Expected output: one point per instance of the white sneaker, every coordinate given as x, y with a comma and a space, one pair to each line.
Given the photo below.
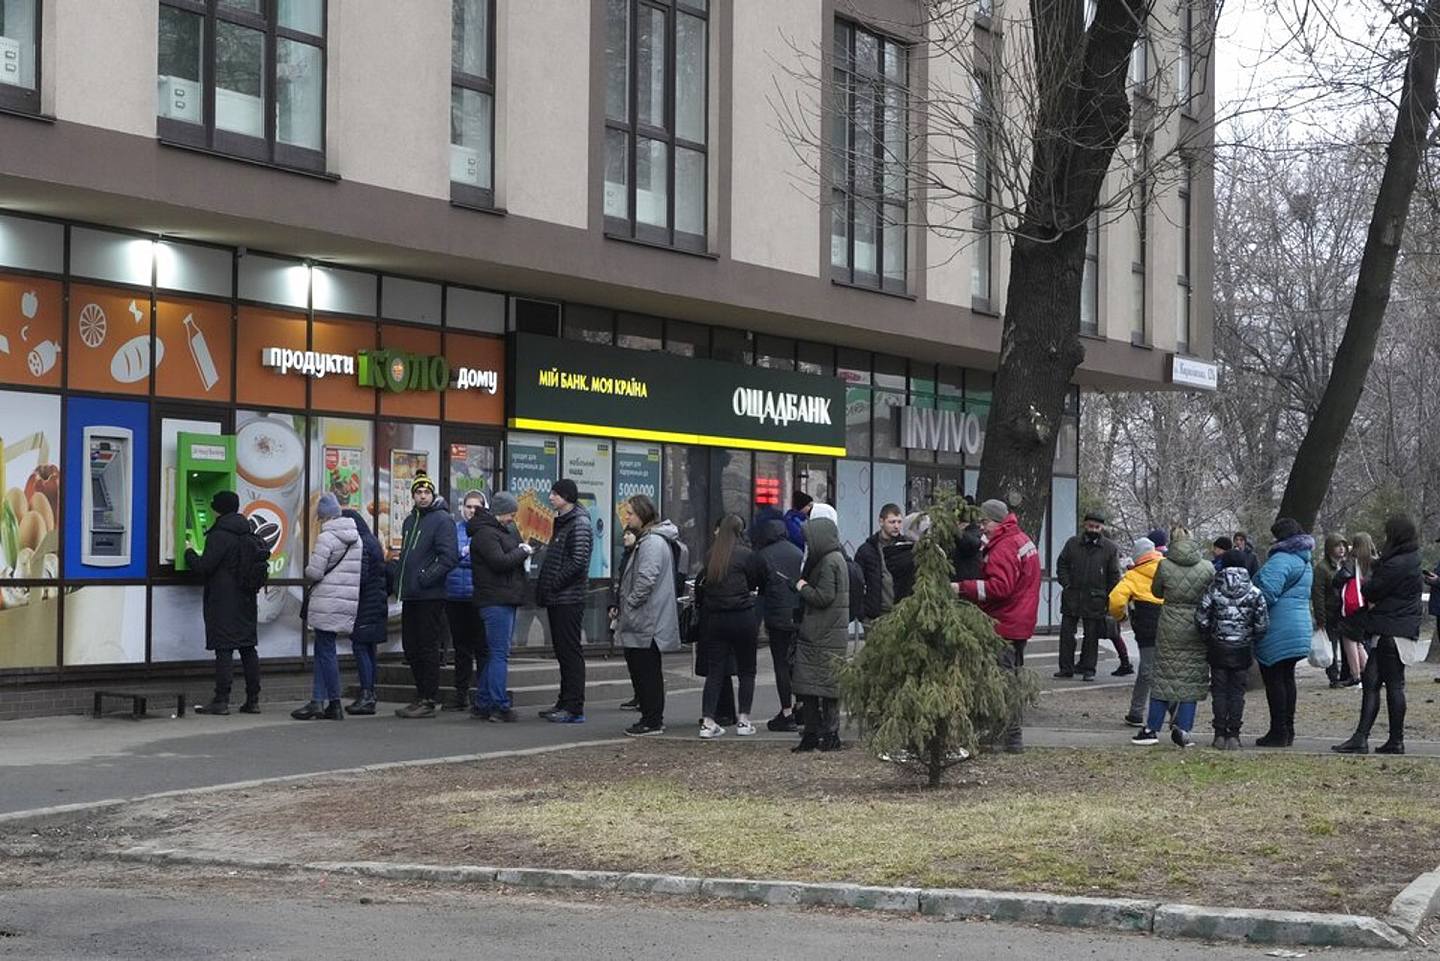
708, 733
744, 729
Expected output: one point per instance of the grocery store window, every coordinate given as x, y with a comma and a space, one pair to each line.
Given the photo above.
472, 102
20, 55
245, 78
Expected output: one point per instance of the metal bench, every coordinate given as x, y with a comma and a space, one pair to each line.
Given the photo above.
137, 701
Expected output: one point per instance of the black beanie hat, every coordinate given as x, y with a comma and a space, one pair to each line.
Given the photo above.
225, 502
1285, 527
566, 488
800, 500
1233, 558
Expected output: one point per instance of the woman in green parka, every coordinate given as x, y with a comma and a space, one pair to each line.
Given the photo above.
1182, 668
824, 588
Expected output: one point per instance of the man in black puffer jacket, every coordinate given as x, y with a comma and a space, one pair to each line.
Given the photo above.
427, 553
564, 577
1392, 610
372, 616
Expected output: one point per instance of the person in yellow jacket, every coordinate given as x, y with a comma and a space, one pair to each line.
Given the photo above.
1133, 597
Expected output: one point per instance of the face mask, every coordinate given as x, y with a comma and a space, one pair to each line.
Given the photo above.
1092, 536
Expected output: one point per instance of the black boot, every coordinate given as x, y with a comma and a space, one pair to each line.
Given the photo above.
808, 743
308, 711
216, 706
1357, 743
829, 742
251, 705
460, 702
334, 711
1395, 744
1395, 711
364, 705
1275, 737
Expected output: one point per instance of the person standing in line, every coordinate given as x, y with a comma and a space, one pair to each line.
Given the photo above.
824, 589
372, 615
1285, 581
649, 619
1218, 548
1232, 615
497, 564
627, 551
1325, 605
734, 575
1182, 669
1088, 569
781, 603
1009, 592
467, 632
229, 569
1135, 594
1160, 538
1349, 584
334, 574
1392, 612
564, 578
887, 560
427, 554
801, 504
1241, 541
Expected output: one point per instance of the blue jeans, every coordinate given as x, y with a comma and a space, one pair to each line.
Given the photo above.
365, 664
327, 668
490, 693
1184, 715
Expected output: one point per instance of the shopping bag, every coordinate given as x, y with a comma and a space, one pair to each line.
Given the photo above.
1412, 651
1322, 655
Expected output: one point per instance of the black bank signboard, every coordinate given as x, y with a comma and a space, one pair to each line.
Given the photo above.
571, 387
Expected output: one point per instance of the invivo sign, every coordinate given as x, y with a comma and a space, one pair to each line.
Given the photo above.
394, 370
948, 431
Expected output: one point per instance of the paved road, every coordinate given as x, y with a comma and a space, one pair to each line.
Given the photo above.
82, 924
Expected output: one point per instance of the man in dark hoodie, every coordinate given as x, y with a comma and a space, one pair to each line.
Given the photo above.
779, 601
230, 617
427, 553
887, 559
564, 578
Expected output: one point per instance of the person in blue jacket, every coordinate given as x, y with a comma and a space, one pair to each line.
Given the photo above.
795, 518
372, 617
467, 630
1285, 581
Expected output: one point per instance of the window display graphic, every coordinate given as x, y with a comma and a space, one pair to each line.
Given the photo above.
588, 463
344, 475
111, 347
29, 535
404, 466
637, 471
205, 467
30, 331
472, 467
106, 522
107, 489
270, 475
534, 462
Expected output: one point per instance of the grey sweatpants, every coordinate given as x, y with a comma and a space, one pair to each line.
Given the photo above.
1012, 661
1140, 698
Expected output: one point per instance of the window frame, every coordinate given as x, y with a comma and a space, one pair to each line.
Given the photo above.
1185, 62
630, 227
266, 149
461, 193
1140, 265
982, 217
1184, 290
1090, 295
844, 104
18, 99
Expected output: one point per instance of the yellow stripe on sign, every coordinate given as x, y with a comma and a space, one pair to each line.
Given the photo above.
673, 437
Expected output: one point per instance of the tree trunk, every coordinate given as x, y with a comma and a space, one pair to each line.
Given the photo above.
1314, 465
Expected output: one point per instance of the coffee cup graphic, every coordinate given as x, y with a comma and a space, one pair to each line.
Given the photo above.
270, 469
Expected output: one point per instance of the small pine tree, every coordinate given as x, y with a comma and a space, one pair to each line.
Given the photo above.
928, 682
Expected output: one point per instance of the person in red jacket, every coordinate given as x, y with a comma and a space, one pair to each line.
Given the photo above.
1008, 590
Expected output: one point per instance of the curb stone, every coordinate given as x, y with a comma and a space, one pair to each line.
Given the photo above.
1275, 927
1419, 900
1170, 921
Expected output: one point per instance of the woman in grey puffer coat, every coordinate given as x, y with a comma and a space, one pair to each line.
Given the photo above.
824, 589
334, 572
648, 622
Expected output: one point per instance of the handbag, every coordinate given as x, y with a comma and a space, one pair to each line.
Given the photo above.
305, 601
1412, 651
1322, 653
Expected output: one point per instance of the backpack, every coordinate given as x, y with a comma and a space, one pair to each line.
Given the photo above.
680, 554
254, 563
1352, 597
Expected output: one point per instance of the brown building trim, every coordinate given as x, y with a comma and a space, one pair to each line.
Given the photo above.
85, 173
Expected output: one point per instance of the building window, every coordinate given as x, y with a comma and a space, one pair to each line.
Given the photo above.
1142, 241
244, 77
1183, 293
869, 176
982, 213
1090, 279
472, 102
1185, 63
1140, 64
656, 120
20, 55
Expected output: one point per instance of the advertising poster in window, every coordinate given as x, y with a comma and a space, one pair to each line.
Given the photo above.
196, 334
637, 471
270, 475
472, 468
345, 475
30, 335
29, 527
589, 464
534, 464
405, 466
105, 625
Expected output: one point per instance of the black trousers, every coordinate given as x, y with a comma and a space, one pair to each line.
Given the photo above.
225, 672
423, 629
649, 680
467, 636
822, 715
1383, 669
1279, 681
727, 634
1227, 688
782, 645
565, 622
1012, 662
1090, 649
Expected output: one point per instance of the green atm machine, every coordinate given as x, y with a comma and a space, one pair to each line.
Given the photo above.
205, 465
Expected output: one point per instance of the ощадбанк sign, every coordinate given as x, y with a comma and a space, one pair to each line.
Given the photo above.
572, 387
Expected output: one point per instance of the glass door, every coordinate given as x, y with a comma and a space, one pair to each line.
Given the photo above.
816, 477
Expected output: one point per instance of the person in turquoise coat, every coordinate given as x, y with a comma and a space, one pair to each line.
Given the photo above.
1285, 581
